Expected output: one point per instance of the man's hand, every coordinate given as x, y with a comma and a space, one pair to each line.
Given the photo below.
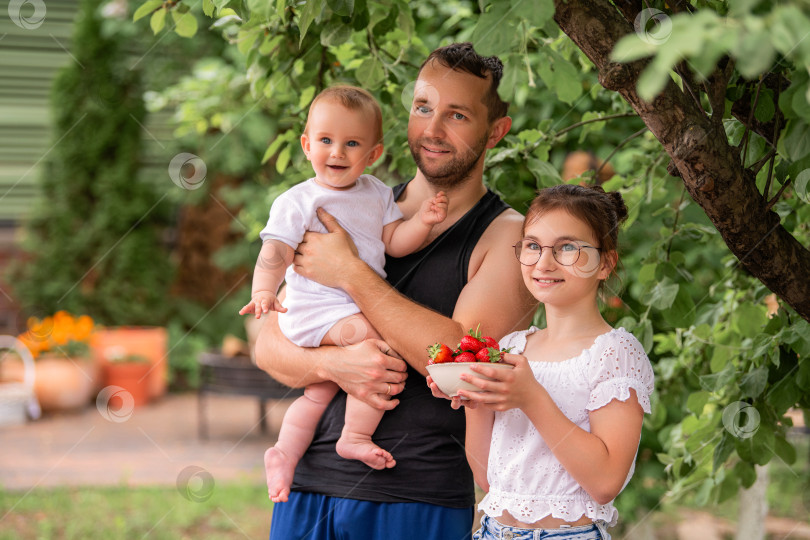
370, 372
326, 258
263, 302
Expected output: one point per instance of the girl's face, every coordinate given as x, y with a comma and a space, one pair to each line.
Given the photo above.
549, 280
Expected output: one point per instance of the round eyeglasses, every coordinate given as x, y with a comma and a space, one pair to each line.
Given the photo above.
565, 252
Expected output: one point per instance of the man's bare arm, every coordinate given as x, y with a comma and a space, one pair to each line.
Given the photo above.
363, 370
494, 296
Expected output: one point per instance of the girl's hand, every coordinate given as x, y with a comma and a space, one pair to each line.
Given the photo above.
455, 402
511, 389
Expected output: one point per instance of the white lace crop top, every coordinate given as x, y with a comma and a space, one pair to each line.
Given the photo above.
524, 476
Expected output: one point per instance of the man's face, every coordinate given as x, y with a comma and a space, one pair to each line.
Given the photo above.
448, 128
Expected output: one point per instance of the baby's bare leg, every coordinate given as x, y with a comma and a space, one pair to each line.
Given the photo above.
361, 419
294, 437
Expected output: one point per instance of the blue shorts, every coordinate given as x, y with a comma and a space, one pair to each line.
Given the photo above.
311, 516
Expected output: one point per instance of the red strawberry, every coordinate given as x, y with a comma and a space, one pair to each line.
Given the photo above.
489, 342
465, 356
439, 353
471, 341
488, 354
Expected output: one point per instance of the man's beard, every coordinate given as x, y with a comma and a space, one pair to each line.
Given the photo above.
453, 173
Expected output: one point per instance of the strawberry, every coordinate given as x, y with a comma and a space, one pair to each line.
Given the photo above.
439, 353
471, 341
490, 342
465, 356
488, 354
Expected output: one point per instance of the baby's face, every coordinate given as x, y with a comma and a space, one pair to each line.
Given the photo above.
340, 143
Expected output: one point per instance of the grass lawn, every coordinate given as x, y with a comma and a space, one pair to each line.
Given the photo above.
232, 511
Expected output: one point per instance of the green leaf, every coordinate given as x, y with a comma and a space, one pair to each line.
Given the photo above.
537, 12
796, 139
803, 374
696, 401
723, 450
721, 354
785, 450
512, 74
746, 473
663, 294
247, 38
370, 73
335, 32
208, 8
754, 53
681, 314
185, 24
344, 8
545, 173
494, 32
283, 159
311, 10
647, 274
631, 48
158, 20
753, 383
749, 319
765, 106
560, 76
800, 185
146, 8
306, 97
717, 381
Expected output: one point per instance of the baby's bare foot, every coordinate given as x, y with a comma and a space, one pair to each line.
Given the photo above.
279, 470
353, 446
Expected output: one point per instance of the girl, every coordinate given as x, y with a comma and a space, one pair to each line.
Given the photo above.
554, 440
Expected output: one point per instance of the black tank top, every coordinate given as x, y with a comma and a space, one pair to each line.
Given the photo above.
425, 436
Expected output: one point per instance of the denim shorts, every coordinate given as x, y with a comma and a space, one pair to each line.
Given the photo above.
493, 530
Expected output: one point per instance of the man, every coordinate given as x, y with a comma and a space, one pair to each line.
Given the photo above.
463, 276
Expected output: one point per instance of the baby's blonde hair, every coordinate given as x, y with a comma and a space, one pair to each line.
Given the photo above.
354, 99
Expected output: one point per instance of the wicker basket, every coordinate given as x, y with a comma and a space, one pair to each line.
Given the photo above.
17, 400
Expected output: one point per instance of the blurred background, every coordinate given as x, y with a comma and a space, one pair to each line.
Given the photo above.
143, 142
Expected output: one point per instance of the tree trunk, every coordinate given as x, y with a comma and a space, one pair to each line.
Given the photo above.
753, 508
710, 168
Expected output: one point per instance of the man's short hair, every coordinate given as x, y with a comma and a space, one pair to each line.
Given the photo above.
462, 56
354, 99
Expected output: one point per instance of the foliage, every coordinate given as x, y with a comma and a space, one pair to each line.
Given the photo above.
62, 332
94, 242
730, 359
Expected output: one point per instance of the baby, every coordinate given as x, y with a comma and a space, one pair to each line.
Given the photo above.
342, 137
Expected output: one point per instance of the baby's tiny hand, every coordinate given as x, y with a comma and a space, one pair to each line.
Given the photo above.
434, 210
262, 302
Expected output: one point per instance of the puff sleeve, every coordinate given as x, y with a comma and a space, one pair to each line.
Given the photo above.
618, 366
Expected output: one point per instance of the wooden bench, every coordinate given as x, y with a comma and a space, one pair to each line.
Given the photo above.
237, 375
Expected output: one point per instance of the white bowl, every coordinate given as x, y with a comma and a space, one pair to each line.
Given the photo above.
447, 375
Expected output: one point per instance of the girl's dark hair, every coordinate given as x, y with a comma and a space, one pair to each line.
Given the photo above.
602, 212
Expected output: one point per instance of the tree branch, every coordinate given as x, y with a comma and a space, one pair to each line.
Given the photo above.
710, 168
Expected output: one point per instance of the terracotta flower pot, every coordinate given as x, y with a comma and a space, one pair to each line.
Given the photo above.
61, 383
132, 377
149, 342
